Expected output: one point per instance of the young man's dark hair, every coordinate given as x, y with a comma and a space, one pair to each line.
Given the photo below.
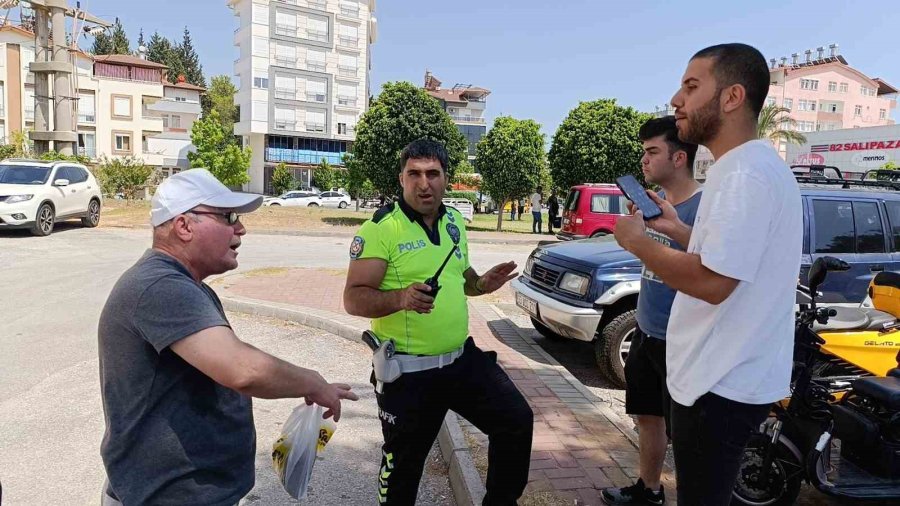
738, 63
425, 148
665, 126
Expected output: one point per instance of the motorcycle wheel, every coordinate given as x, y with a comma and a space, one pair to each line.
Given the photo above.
785, 477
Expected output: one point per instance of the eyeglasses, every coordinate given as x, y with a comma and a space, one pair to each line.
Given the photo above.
231, 217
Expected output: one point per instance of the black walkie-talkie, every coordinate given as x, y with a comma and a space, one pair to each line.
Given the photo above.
433, 280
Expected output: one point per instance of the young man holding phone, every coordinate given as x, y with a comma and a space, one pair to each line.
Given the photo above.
730, 335
669, 163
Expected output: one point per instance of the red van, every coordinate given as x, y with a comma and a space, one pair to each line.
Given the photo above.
591, 210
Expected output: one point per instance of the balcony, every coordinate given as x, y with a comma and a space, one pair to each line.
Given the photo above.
286, 30
88, 118
345, 71
346, 101
319, 35
171, 105
468, 119
91, 152
312, 96
348, 41
315, 66
288, 126
314, 127
346, 129
316, 4
286, 61
286, 93
349, 12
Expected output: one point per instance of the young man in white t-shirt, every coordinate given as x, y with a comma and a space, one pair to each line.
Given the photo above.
535, 201
730, 336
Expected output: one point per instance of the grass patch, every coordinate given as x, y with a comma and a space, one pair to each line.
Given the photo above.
488, 223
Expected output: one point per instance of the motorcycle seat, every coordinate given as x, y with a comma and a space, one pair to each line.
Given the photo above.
884, 390
855, 318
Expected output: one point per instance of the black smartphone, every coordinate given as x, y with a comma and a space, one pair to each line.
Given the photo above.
637, 194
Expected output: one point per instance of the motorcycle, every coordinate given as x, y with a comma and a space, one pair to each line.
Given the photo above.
840, 428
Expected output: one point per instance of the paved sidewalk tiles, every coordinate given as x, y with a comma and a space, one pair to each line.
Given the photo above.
581, 445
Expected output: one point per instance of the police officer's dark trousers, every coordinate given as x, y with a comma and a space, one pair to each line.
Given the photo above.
413, 407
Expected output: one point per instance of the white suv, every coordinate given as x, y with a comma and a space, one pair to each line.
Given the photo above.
35, 194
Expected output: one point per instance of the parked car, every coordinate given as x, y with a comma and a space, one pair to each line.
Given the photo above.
591, 210
36, 195
335, 199
464, 206
294, 198
587, 289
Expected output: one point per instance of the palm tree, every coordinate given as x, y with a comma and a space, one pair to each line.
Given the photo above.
775, 125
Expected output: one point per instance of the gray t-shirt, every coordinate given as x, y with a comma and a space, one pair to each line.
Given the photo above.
655, 298
173, 435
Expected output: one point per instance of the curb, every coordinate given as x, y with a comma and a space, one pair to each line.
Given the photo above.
348, 235
465, 481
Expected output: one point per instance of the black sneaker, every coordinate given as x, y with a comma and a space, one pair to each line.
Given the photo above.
635, 494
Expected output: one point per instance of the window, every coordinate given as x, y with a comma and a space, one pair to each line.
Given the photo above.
834, 226
866, 91
181, 99
789, 103
882, 113
832, 108
260, 46
122, 142
806, 105
260, 110
770, 101
342, 128
121, 106
176, 121
809, 84
806, 126
347, 65
285, 23
869, 232
75, 175
348, 35
86, 108
261, 83
87, 144
317, 28
857, 110
346, 95
165, 119
601, 203
844, 87
315, 121
832, 86
315, 60
893, 212
260, 14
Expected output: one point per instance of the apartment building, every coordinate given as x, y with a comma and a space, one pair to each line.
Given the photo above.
824, 93
303, 71
465, 104
125, 106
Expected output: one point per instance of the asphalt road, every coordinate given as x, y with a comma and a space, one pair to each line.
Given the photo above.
51, 420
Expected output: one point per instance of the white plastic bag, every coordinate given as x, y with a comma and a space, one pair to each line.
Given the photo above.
303, 436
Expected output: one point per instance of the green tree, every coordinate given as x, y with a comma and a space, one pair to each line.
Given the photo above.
282, 179
892, 165
102, 44
161, 50
122, 175
220, 96
53, 156
119, 39
775, 124
511, 158
217, 151
7, 151
140, 41
401, 114
323, 176
22, 143
190, 61
597, 142
355, 181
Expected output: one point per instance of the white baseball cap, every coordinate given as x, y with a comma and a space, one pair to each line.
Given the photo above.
195, 187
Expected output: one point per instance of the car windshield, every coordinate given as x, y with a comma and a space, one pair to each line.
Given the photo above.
23, 174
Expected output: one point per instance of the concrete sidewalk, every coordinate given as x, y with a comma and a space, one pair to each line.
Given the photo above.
580, 444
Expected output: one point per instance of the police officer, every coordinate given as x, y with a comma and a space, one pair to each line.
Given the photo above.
441, 369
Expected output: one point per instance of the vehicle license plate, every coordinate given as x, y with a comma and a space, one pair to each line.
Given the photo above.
527, 304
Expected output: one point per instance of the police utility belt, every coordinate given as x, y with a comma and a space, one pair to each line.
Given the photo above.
388, 365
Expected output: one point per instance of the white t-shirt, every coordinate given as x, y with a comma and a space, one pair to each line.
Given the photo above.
749, 227
535, 202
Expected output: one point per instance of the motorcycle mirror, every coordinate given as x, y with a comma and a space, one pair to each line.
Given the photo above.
817, 273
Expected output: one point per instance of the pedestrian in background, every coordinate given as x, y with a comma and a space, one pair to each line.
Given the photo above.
175, 380
536, 200
552, 212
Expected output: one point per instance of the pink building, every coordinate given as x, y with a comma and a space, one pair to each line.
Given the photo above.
825, 93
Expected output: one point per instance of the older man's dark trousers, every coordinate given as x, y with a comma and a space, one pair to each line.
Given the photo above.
413, 407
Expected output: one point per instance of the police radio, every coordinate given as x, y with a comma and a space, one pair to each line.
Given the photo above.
432, 282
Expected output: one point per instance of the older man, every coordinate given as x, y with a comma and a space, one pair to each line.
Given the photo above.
176, 381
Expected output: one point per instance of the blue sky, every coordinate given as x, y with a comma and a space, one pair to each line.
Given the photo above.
540, 58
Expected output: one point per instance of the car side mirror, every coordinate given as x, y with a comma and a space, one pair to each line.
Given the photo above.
61, 182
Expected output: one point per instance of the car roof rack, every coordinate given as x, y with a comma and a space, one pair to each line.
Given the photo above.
816, 174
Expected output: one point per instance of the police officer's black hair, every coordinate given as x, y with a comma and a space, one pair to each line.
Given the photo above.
665, 126
737, 63
425, 148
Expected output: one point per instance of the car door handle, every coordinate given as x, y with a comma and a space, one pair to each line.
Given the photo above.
876, 268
